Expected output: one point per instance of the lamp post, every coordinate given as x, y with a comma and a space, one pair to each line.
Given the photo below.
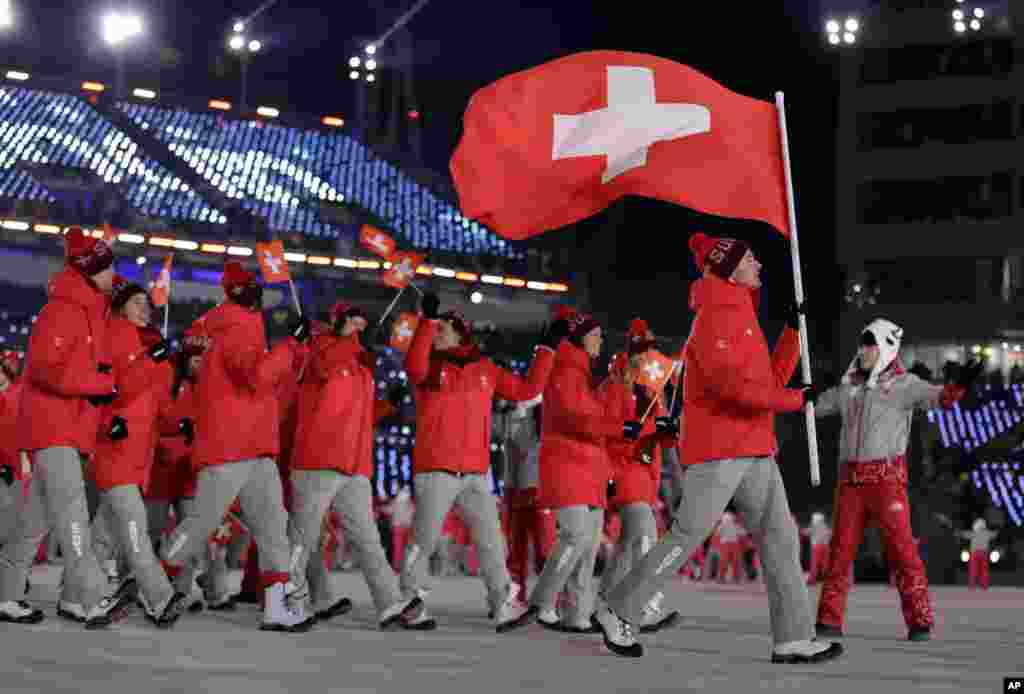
118, 28
245, 48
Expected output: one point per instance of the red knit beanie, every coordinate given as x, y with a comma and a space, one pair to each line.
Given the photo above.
236, 276
563, 313
579, 325
720, 255
87, 255
343, 310
638, 328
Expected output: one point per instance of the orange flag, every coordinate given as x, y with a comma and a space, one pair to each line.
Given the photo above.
403, 330
403, 268
161, 292
376, 241
271, 259
655, 370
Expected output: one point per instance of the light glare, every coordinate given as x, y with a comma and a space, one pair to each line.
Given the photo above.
852, 24
832, 26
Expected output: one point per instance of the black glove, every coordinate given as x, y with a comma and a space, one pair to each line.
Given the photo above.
397, 395
969, 373
187, 428
431, 306
105, 368
118, 430
811, 393
631, 430
100, 400
667, 425
301, 329
7, 474
611, 489
556, 332
793, 312
159, 352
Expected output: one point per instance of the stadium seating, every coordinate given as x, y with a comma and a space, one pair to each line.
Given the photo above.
972, 428
41, 127
285, 174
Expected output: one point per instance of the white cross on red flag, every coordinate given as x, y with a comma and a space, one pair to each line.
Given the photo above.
161, 292
560, 142
403, 330
376, 241
271, 259
655, 370
403, 268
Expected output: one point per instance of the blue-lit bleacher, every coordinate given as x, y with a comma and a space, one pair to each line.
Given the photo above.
1005, 485
972, 428
41, 127
284, 174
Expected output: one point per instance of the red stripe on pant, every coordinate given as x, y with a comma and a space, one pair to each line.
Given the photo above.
977, 569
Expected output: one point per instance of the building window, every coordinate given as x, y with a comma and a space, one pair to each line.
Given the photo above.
976, 58
935, 201
912, 128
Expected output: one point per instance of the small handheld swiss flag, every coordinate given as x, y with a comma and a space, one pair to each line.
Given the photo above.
560, 142
271, 259
376, 241
403, 330
403, 268
655, 370
161, 292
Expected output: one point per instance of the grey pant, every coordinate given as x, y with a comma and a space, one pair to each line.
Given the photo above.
313, 493
56, 500
125, 516
571, 564
761, 497
257, 484
435, 494
639, 533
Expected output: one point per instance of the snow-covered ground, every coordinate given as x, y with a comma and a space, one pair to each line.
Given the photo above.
722, 645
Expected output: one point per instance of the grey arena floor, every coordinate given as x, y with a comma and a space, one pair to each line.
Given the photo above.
722, 645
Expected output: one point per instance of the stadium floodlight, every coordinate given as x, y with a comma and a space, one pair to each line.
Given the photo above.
118, 27
371, 64
849, 37
476, 297
958, 15
239, 27
979, 13
832, 26
237, 42
959, 27
852, 24
371, 49
354, 61
370, 78
844, 31
834, 39
6, 14
354, 75
255, 46
975, 24
17, 75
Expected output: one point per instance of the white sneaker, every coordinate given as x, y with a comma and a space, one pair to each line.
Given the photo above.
549, 617
618, 634
513, 613
807, 651
19, 612
284, 609
391, 616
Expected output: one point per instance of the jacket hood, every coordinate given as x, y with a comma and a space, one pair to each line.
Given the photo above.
71, 286
328, 350
573, 357
223, 318
713, 292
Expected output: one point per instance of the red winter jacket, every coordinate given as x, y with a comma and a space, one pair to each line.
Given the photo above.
574, 464
635, 480
733, 387
337, 410
9, 426
68, 343
453, 403
172, 476
141, 383
238, 416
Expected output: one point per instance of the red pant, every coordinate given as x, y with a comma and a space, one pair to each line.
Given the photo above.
526, 524
819, 563
731, 553
977, 569
885, 503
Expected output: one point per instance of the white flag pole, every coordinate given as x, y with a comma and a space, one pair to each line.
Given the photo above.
295, 297
798, 290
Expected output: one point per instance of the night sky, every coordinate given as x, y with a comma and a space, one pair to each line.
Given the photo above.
754, 48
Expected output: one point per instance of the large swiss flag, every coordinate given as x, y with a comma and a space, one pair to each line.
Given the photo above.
560, 142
